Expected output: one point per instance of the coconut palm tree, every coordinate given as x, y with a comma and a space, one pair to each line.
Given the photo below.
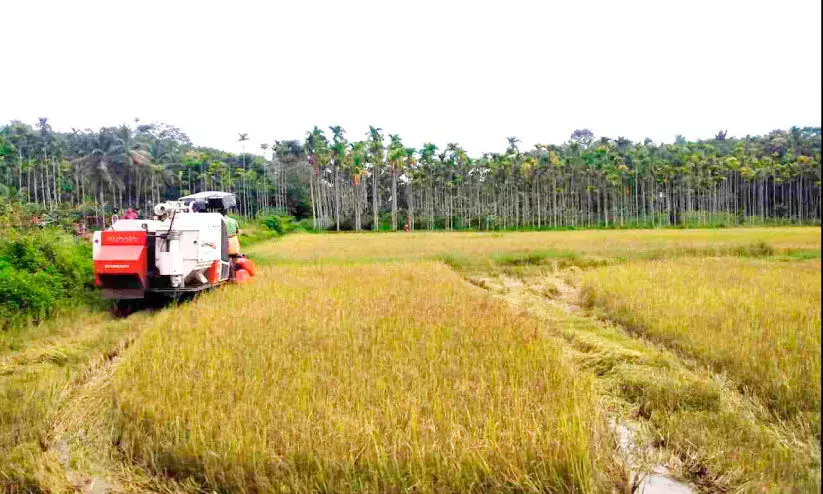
128, 159
106, 151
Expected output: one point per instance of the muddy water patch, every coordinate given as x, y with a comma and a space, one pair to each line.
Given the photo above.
655, 480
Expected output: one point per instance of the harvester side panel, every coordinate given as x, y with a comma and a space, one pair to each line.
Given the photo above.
121, 264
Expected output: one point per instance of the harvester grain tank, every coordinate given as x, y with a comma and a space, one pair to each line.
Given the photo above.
183, 249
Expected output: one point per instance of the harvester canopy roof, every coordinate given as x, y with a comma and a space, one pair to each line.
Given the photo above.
214, 199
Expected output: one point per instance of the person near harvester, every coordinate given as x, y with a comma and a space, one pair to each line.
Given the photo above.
242, 268
232, 231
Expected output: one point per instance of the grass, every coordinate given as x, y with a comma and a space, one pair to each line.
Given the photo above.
757, 321
316, 381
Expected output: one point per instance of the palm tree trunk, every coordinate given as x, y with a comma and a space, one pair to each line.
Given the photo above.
410, 206
393, 198
375, 200
313, 200
336, 195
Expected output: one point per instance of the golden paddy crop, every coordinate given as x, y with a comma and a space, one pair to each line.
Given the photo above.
604, 243
371, 378
337, 371
757, 321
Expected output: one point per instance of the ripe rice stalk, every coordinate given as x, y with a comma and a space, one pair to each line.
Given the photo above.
378, 377
757, 321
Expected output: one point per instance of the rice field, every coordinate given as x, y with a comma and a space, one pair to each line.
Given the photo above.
606, 244
722, 439
39, 369
372, 378
369, 363
757, 321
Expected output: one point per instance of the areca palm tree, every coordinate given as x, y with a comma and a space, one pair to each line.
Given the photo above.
355, 168
409, 165
513, 149
338, 156
244, 201
264, 147
47, 143
319, 155
588, 180
396, 154
428, 174
454, 158
375, 158
309, 146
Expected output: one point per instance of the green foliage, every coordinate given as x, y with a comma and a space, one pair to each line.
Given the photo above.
41, 271
305, 225
22, 292
587, 182
250, 236
279, 224
273, 223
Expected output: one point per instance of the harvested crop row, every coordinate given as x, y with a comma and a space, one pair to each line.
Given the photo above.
370, 378
757, 321
40, 367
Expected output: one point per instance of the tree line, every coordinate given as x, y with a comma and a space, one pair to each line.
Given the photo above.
378, 182
128, 167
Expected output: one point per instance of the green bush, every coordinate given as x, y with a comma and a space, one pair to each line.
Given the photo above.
24, 295
251, 235
306, 225
279, 224
273, 223
40, 271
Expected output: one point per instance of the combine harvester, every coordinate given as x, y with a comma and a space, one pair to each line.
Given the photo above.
182, 250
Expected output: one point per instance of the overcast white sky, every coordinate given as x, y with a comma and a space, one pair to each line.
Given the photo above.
472, 72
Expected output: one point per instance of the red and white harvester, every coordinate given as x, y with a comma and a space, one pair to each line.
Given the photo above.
183, 249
